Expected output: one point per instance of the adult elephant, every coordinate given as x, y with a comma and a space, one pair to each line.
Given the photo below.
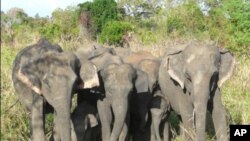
191, 79
123, 52
136, 57
43, 74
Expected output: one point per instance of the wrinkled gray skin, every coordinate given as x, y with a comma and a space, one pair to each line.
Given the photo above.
191, 80
147, 67
116, 83
42, 74
86, 122
160, 110
147, 74
123, 52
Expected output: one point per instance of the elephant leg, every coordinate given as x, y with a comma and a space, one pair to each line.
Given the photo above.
73, 133
152, 132
219, 117
166, 131
37, 119
124, 133
156, 120
105, 115
55, 134
120, 109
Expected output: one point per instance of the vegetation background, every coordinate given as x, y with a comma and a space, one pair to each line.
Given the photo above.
151, 25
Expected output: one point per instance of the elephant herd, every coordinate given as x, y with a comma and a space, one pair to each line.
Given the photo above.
122, 95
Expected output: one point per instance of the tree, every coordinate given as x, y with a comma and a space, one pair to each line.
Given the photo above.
66, 22
101, 12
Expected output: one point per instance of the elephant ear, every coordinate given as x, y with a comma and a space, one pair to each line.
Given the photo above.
174, 64
89, 75
29, 79
141, 82
107, 71
226, 66
37, 71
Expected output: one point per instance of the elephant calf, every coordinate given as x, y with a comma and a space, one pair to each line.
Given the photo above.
85, 122
160, 110
118, 83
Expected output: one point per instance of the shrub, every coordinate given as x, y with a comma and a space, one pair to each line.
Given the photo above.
113, 31
101, 11
238, 12
175, 24
50, 31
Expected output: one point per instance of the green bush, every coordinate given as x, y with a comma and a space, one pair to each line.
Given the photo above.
148, 37
113, 31
238, 12
101, 11
175, 24
50, 31
185, 18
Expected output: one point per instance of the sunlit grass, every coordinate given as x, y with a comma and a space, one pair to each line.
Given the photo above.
15, 121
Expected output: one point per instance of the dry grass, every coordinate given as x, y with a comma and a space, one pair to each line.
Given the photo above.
14, 120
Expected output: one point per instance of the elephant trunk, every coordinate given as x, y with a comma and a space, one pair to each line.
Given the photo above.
201, 96
64, 124
120, 108
152, 86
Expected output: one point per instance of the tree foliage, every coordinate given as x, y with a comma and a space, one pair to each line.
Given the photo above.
113, 32
101, 11
238, 14
225, 21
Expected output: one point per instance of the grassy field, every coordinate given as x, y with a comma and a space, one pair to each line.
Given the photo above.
14, 119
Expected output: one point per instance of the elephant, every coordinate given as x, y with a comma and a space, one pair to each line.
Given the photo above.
160, 111
146, 85
136, 57
123, 52
118, 82
102, 57
86, 122
112, 96
43, 74
191, 79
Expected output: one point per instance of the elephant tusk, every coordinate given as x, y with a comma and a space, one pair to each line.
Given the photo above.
93, 82
26, 81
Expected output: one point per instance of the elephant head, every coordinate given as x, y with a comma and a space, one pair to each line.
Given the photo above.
103, 56
34, 72
199, 70
151, 68
118, 82
55, 76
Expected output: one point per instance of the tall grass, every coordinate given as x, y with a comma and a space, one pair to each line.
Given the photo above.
15, 121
